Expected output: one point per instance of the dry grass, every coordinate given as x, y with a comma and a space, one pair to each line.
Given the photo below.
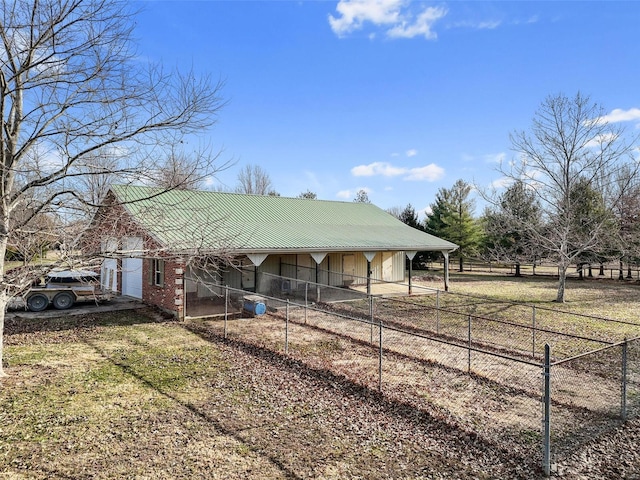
124, 396
128, 396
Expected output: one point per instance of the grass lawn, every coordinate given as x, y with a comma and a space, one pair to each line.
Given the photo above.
115, 397
125, 395
605, 298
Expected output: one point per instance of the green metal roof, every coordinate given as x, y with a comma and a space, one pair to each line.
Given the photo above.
202, 220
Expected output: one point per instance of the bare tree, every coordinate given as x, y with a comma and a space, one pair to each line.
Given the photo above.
100, 167
362, 196
183, 171
396, 211
510, 227
627, 214
309, 195
71, 89
254, 180
571, 148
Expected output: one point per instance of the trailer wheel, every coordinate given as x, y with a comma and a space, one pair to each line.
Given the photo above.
37, 302
63, 300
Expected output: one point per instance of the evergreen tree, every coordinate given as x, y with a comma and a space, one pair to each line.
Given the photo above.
451, 218
309, 195
509, 225
410, 217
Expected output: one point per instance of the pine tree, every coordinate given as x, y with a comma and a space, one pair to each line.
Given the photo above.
451, 218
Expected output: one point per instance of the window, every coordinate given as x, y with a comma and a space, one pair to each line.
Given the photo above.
157, 272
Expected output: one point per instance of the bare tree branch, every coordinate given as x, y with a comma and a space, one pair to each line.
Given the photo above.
81, 111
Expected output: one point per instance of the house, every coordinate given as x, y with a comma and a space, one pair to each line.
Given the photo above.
167, 247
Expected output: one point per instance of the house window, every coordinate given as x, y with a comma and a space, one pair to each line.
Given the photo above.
157, 272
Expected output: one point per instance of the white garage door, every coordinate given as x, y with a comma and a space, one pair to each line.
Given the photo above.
132, 267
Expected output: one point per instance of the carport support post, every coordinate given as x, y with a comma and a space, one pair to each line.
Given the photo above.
319, 258
546, 438
410, 256
446, 271
369, 256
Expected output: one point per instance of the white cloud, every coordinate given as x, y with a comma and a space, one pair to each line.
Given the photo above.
354, 13
502, 182
396, 16
351, 194
430, 173
377, 168
601, 140
420, 26
412, 152
495, 157
617, 115
478, 25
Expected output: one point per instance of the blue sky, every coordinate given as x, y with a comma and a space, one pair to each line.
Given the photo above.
397, 98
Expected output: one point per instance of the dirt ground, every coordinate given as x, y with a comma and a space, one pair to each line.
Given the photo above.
135, 396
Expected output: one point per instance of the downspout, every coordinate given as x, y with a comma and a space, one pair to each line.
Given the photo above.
184, 295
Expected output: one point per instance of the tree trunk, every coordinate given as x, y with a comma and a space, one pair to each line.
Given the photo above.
562, 280
461, 264
4, 300
3, 307
518, 274
620, 272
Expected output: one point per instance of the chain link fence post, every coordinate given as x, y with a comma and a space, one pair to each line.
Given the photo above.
623, 393
379, 354
469, 346
226, 309
306, 300
533, 332
546, 438
371, 316
286, 329
437, 311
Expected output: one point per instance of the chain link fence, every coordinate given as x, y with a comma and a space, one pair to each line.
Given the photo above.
480, 366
